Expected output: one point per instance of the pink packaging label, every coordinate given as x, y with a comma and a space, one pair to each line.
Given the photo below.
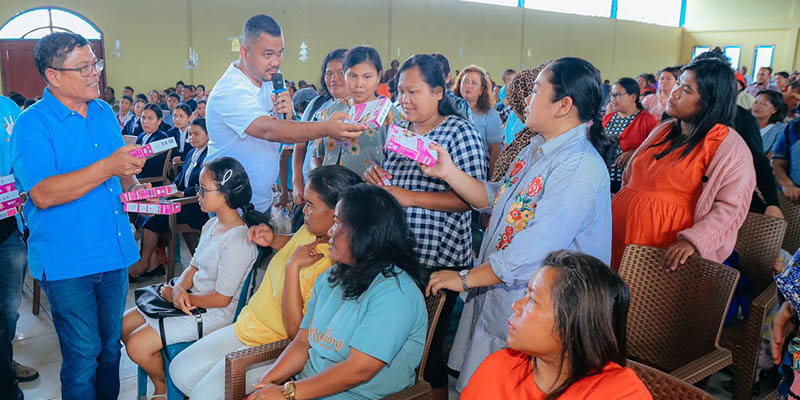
8, 213
154, 148
152, 208
10, 204
409, 144
371, 114
6, 179
7, 188
12, 195
159, 191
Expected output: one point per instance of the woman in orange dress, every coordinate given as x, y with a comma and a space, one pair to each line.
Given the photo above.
689, 185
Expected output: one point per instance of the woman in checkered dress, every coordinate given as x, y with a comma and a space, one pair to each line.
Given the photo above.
439, 218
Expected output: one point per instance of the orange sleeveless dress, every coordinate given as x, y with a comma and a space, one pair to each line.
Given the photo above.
659, 199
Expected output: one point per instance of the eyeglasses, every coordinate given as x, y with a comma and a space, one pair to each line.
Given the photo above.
330, 74
617, 95
201, 190
86, 71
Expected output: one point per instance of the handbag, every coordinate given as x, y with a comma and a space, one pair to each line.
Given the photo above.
149, 301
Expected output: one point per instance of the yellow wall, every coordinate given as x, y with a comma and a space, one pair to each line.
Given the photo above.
155, 35
746, 23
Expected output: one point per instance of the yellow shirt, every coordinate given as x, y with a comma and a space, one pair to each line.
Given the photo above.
260, 321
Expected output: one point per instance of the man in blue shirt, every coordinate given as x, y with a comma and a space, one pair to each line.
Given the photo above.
12, 264
70, 159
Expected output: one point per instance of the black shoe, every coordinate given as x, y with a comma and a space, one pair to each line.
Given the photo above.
157, 271
132, 279
25, 374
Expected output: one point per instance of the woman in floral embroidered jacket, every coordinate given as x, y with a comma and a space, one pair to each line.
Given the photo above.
555, 196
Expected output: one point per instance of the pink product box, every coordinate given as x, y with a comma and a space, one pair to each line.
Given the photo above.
152, 208
409, 144
6, 179
160, 191
7, 188
10, 204
154, 148
8, 213
12, 195
371, 114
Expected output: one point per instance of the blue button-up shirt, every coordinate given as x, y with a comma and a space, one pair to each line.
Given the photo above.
9, 111
85, 236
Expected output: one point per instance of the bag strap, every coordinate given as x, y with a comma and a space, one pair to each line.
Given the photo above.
199, 318
163, 339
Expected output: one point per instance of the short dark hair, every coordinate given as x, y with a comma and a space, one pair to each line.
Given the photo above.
140, 100
202, 102
126, 97
331, 181
444, 63
175, 96
201, 122
258, 24
508, 72
142, 96
783, 74
128, 88
380, 239
183, 107
17, 98
191, 87
360, 54
590, 303
51, 50
180, 83
155, 108
767, 68
113, 92
202, 86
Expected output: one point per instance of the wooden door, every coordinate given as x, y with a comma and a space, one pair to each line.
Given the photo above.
18, 68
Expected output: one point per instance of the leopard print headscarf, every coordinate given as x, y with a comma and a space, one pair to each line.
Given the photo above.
518, 89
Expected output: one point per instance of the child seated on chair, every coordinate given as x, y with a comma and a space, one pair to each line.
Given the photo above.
186, 181
215, 276
365, 328
276, 309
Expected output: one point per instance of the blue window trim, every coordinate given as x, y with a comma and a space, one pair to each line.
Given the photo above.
739, 61
683, 13
614, 7
755, 57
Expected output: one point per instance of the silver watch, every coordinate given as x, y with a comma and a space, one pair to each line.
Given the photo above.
463, 274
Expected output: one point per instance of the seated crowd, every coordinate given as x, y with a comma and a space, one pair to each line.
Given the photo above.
539, 186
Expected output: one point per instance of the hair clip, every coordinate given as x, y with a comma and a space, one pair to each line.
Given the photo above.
226, 177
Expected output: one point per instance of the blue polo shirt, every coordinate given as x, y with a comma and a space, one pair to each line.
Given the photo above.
85, 236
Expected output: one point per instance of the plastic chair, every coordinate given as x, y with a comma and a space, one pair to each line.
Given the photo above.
236, 363
172, 350
675, 317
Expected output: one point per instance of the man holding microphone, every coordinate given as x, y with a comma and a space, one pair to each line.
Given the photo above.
243, 114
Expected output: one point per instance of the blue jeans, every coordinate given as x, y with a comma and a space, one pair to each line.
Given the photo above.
87, 313
13, 264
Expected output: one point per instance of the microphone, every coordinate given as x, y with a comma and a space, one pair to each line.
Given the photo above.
278, 87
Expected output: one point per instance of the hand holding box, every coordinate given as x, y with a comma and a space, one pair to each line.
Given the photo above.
143, 194
152, 208
154, 148
409, 144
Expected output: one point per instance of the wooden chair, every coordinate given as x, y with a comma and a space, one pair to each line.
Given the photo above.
758, 244
666, 387
164, 178
791, 212
236, 363
675, 317
176, 229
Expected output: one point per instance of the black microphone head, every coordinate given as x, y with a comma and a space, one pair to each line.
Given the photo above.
277, 81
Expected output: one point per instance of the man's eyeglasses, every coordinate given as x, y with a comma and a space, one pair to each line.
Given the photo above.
87, 70
201, 190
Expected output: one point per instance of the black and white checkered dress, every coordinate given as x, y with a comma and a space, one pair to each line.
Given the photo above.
615, 127
444, 239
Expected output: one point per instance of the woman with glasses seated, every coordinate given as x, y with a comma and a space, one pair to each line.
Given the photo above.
186, 181
214, 278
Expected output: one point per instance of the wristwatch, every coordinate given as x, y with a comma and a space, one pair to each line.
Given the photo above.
288, 390
463, 274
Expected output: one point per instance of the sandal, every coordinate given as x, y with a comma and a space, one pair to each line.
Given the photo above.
158, 396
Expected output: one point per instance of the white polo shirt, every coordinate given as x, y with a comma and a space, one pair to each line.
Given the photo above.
236, 102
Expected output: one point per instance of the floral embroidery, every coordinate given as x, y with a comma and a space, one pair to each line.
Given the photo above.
331, 145
535, 186
518, 166
521, 211
510, 180
355, 149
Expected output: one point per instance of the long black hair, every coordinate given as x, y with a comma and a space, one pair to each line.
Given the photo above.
590, 304
325, 94
776, 99
331, 181
234, 185
631, 87
579, 80
380, 239
431, 72
717, 87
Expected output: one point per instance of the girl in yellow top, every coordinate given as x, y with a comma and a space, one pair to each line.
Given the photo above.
277, 308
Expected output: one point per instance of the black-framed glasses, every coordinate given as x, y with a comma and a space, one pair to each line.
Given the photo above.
86, 71
201, 190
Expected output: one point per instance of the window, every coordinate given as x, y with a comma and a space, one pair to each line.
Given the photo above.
667, 12
700, 50
734, 53
594, 8
36, 23
508, 3
763, 58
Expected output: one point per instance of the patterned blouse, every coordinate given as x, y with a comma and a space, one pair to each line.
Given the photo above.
444, 239
359, 153
615, 127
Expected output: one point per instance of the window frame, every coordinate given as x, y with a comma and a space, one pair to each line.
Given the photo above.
739, 59
755, 57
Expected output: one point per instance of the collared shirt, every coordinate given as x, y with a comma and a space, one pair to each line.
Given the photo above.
123, 119
461, 105
753, 89
169, 118
192, 165
88, 235
9, 112
443, 238
233, 105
